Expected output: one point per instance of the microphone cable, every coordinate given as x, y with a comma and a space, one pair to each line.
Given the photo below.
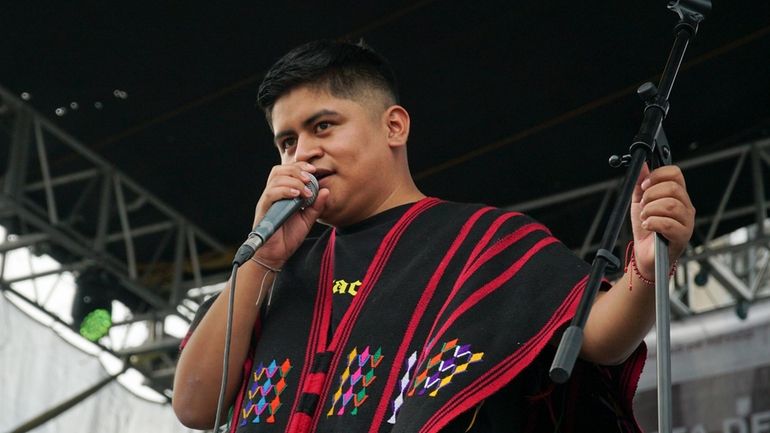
228, 337
229, 333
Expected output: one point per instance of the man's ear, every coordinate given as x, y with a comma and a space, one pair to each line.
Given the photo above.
397, 123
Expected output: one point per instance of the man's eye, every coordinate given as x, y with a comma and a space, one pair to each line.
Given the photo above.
287, 143
322, 126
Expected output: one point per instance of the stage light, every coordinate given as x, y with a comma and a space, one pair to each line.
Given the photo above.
96, 324
92, 306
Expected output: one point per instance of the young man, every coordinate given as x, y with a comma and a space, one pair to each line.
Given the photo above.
410, 313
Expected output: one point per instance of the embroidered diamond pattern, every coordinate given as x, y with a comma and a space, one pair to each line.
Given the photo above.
403, 385
264, 393
354, 380
441, 368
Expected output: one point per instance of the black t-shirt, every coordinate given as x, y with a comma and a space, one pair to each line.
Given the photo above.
354, 249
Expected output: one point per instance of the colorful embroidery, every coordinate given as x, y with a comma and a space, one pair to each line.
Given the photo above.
362, 367
265, 393
405, 379
452, 360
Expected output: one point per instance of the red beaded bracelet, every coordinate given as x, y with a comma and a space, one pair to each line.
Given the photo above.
630, 260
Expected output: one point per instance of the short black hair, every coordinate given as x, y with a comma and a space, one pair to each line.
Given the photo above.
344, 68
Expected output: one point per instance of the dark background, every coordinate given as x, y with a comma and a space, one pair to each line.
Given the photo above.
510, 101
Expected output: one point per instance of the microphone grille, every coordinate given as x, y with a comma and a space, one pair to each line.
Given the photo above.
313, 185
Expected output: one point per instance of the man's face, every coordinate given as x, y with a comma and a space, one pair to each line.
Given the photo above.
345, 140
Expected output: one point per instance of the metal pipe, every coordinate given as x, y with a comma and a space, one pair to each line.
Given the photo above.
595, 223
63, 180
140, 231
124, 223
53, 215
65, 405
193, 251
725, 197
23, 241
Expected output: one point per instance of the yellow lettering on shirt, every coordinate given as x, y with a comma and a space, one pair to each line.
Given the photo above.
341, 287
353, 287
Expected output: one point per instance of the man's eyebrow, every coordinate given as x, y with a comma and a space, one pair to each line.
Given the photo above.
320, 113
280, 135
305, 123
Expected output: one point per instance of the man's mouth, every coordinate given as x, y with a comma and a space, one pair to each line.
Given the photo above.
322, 173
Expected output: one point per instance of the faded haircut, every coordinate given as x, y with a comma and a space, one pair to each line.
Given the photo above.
346, 70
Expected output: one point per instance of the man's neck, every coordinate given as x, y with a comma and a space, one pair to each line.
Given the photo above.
397, 197
408, 193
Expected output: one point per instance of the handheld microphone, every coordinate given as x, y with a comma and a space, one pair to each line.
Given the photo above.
278, 213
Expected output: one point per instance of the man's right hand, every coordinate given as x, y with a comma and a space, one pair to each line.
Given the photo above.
288, 181
199, 371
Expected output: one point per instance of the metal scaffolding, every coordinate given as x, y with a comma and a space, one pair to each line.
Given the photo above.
88, 215
736, 261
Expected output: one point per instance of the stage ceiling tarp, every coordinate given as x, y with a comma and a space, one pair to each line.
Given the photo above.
510, 101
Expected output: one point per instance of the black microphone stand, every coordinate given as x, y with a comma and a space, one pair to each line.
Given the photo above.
650, 144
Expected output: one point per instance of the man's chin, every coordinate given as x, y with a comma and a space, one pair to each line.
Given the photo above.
336, 216
326, 217
330, 217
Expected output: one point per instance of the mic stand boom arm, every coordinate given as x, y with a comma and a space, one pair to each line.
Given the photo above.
650, 144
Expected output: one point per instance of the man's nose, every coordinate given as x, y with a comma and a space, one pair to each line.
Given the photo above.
308, 149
